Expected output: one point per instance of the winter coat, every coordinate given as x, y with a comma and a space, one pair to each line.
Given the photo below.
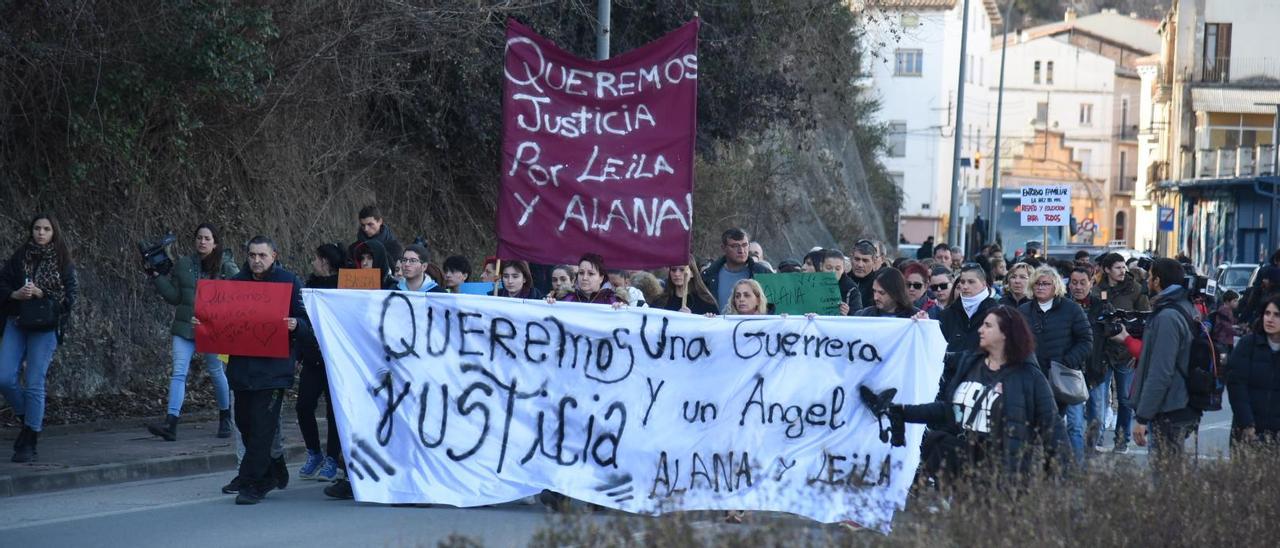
1224, 327
873, 312
256, 373
604, 296
529, 292
1062, 334
1127, 295
178, 288
929, 306
381, 260
14, 276
960, 330
852, 293
865, 291
711, 275
695, 304
1160, 386
428, 286
308, 346
1009, 300
1253, 384
385, 237
1026, 415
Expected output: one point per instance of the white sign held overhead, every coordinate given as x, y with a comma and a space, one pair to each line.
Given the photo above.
1048, 205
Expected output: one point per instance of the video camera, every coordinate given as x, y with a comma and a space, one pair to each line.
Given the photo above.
1133, 322
154, 257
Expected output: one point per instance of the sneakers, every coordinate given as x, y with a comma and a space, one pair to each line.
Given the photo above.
314, 461
233, 487
224, 423
340, 489
279, 472
252, 494
1122, 447
329, 471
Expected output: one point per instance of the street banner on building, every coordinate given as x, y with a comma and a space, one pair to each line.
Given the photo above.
802, 292
243, 318
1048, 205
468, 400
598, 155
1164, 219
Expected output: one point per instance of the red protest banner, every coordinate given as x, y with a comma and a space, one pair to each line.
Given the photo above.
243, 318
597, 156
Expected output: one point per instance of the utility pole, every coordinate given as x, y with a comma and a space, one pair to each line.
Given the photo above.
954, 230
603, 11
993, 215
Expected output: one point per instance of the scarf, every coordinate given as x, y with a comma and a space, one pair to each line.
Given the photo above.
971, 303
42, 269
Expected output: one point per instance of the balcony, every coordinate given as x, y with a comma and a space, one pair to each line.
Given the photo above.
1235, 162
1224, 70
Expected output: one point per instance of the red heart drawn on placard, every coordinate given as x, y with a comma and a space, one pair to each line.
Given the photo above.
264, 332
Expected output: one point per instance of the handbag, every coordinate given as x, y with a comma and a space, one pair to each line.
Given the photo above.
38, 315
1068, 384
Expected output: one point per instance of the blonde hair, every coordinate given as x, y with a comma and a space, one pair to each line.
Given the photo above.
1020, 266
761, 308
1058, 288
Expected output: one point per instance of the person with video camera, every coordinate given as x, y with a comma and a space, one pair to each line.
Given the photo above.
38, 288
1162, 401
998, 404
176, 284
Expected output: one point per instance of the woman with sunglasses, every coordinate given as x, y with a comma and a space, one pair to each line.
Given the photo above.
972, 300
1062, 335
1016, 284
917, 279
889, 295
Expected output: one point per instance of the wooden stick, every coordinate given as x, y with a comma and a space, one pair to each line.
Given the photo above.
497, 280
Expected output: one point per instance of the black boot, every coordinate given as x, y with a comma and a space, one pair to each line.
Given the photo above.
24, 449
279, 473
224, 423
168, 430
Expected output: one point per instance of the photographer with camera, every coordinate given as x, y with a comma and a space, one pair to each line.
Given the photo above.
1064, 341
997, 405
38, 288
1122, 292
1162, 401
176, 283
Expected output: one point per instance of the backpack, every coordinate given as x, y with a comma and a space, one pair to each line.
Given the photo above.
1204, 386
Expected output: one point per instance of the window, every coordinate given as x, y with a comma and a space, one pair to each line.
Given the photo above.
1085, 157
1217, 52
1119, 230
1086, 114
1042, 112
1048, 72
908, 62
1035, 79
1124, 118
897, 139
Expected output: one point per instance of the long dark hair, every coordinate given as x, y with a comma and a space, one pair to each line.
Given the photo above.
210, 264
60, 248
696, 288
1262, 312
1019, 343
895, 285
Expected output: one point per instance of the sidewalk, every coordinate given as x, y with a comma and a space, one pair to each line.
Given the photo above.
75, 456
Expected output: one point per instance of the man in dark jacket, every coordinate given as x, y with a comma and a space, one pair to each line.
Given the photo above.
260, 383
735, 265
1097, 371
867, 264
1161, 399
372, 227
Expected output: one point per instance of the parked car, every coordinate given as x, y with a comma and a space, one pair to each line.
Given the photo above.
1235, 277
908, 250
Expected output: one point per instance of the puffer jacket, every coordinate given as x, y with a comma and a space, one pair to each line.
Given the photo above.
178, 288
960, 330
1253, 385
1062, 334
256, 373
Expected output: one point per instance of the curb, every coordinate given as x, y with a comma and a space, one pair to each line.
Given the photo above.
108, 474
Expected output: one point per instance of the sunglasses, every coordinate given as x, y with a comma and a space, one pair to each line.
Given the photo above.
939, 287
915, 285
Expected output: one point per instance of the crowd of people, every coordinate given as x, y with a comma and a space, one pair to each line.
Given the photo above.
1035, 358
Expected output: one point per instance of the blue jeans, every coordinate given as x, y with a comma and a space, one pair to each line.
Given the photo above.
1075, 431
183, 349
1095, 411
36, 348
1124, 414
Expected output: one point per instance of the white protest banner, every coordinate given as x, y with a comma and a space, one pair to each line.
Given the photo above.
1048, 205
469, 400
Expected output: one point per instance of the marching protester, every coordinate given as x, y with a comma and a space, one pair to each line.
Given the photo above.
313, 381
889, 293
917, 279
413, 263
260, 383
721, 275
1016, 283
517, 282
756, 252
1097, 366
562, 281
371, 254
926, 249
1162, 402
178, 288
813, 260
489, 274
961, 319
590, 288
685, 291
748, 299
456, 271
1253, 380
648, 285
942, 255
621, 284
995, 405
1063, 336
1224, 323
867, 264
38, 289
373, 229
941, 288
833, 262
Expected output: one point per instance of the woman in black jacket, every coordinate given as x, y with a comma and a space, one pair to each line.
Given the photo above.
517, 282
1253, 379
37, 291
1062, 335
996, 405
960, 320
1016, 282
313, 381
685, 291
889, 293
